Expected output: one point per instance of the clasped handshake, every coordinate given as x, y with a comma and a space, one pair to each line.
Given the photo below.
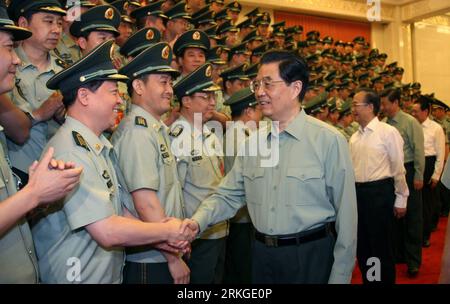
181, 234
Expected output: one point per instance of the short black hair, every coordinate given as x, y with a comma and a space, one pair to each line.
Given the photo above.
29, 14
371, 97
291, 67
424, 103
144, 79
392, 95
70, 96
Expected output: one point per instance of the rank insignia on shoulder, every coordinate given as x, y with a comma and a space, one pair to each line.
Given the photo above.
195, 152
62, 63
79, 140
176, 131
197, 158
105, 175
140, 121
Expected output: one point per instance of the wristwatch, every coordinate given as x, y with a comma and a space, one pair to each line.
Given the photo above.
31, 118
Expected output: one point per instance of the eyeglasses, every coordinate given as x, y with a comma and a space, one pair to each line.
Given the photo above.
205, 97
359, 104
266, 84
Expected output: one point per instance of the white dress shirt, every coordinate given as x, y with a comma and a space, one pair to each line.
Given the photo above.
434, 140
377, 153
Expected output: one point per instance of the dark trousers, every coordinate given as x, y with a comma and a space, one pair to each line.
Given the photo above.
444, 198
207, 261
408, 231
21, 176
429, 198
238, 261
375, 220
146, 273
308, 263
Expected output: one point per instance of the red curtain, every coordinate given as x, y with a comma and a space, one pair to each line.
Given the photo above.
337, 28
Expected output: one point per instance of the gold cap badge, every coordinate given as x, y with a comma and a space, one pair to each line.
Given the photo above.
165, 52
208, 71
109, 14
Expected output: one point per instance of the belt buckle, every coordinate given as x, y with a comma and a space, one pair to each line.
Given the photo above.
270, 241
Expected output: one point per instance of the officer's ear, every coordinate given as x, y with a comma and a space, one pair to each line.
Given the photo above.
23, 22
227, 84
83, 96
297, 87
138, 86
186, 101
82, 43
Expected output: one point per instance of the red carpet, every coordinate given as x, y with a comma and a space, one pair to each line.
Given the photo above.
431, 261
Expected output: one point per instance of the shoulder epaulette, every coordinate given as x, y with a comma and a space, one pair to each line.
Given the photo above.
175, 132
79, 140
140, 121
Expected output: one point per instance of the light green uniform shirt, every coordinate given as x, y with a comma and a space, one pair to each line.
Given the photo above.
312, 184
29, 93
60, 236
142, 146
235, 134
68, 50
18, 262
343, 131
445, 179
412, 134
220, 107
445, 124
199, 173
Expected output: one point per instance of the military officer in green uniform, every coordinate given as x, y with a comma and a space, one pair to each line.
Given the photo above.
18, 262
292, 203
246, 115
200, 167
177, 23
190, 50
233, 10
233, 80
81, 239
345, 119
239, 55
96, 26
150, 15
333, 112
68, 48
125, 28
408, 230
439, 111
39, 62
152, 176
318, 107
140, 41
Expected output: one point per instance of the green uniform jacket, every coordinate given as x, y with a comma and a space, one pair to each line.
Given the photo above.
18, 262
29, 93
311, 185
143, 149
61, 239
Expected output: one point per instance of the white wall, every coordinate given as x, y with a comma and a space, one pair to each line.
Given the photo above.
431, 48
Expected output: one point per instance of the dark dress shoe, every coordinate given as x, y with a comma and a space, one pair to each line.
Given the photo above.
413, 272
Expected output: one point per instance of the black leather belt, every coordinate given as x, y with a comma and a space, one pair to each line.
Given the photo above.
378, 183
296, 238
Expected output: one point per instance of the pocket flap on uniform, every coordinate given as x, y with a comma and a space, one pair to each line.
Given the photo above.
304, 173
253, 173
